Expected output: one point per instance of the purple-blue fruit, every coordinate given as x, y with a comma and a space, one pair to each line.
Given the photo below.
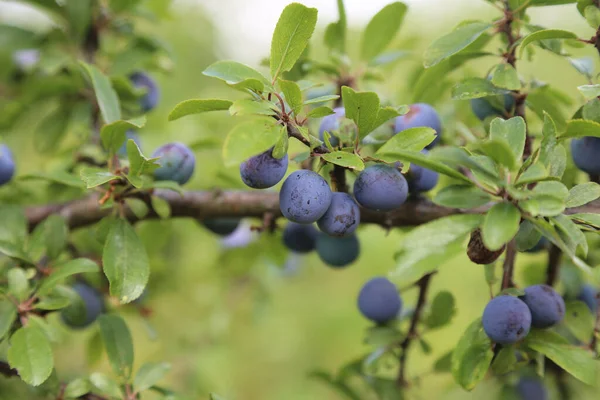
7, 165
150, 99
380, 187
80, 314
176, 163
379, 300
420, 115
588, 296
331, 123
342, 217
482, 108
531, 389
506, 319
421, 179
546, 305
129, 135
300, 238
304, 197
585, 154
337, 252
263, 171
221, 226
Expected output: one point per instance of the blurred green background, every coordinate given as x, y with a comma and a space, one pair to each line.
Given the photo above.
246, 326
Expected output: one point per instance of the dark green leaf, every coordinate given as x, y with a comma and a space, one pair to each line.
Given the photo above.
442, 310
198, 106
52, 234
125, 262
118, 344
30, 354
72, 267
527, 237
382, 29
513, 131
139, 164
472, 356
505, 361
454, 42
500, 225
474, 88
499, 150
544, 35
237, 75
292, 34
96, 176
107, 98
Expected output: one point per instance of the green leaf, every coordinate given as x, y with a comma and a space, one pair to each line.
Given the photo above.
60, 177
506, 77
113, 134
149, 374
472, 356
474, 88
237, 75
429, 245
527, 237
570, 233
513, 131
345, 159
335, 34
251, 107
105, 385
97, 176
15, 251
30, 354
198, 106
536, 172
139, 164
505, 361
293, 95
413, 139
363, 108
579, 320
592, 16
500, 225
282, 145
250, 138
426, 161
8, 315
576, 361
125, 262
161, 207
72, 267
18, 285
544, 34
461, 196
77, 388
442, 310
13, 224
53, 234
499, 151
583, 194
79, 15
589, 91
107, 98
292, 34
118, 344
320, 112
580, 128
454, 42
322, 99
381, 30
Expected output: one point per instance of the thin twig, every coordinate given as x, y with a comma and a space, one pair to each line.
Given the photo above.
423, 285
553, 270
509, 265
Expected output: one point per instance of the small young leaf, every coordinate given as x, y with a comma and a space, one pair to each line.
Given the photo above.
576, 361
293, 95
149, 374
500, 225
113, 134
363, 108
107, 98
583, 194
461, 196
442, 310
72, 267
506, 77
106, 385
472, 356
118, 344
513, 131
320, 112
125, 262
544, 34
282, 145
291, 36
474, 88
589, 91
413, 139
30, 354
198, 106
382, 29
454, 42
139, 164
345, 159
250, 138
238, 76
96, 176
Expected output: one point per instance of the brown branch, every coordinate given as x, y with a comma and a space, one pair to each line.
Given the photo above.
509, 265
423, 285
552, 272
338, 179
6, 370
